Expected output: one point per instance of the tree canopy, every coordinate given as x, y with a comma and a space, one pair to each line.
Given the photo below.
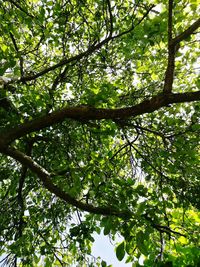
99, 131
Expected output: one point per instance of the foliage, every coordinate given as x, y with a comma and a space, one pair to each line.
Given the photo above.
99, 130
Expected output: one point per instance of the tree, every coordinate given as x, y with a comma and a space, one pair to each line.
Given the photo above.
99, 104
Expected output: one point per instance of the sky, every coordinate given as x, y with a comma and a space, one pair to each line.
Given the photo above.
103, 248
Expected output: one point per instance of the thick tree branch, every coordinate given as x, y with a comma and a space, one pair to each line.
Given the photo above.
170, 18
169, 75
173, 44
45, 177
111, 16
91, 113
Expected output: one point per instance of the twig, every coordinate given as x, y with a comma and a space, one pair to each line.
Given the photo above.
162, 228
144, 158
20, 8
124, 146
54, 253
161, 246
21, 63
143, 129
133, 27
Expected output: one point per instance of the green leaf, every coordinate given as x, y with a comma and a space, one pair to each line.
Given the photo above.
140, 238
120, 251
103, 264
48, 262
4, 47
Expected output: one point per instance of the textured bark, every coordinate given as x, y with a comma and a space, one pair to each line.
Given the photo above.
169, 74
86, 113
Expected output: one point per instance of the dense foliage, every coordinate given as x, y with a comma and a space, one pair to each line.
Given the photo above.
99, 131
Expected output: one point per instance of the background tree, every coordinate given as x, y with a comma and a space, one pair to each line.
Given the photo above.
99, 118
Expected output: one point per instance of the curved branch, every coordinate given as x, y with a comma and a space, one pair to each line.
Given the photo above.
88, 52
66, 61
45, 177
86, 113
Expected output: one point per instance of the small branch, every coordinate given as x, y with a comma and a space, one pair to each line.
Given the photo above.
21, 63
21, 201
145, 159
173, 45
184, 35
166, 229
142, 128
124, 146
133, 27
162, 243
88, 52
162, 228
53, 251
9, 260
66, 61
20, 8
188, 130
59, 78
14, 42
